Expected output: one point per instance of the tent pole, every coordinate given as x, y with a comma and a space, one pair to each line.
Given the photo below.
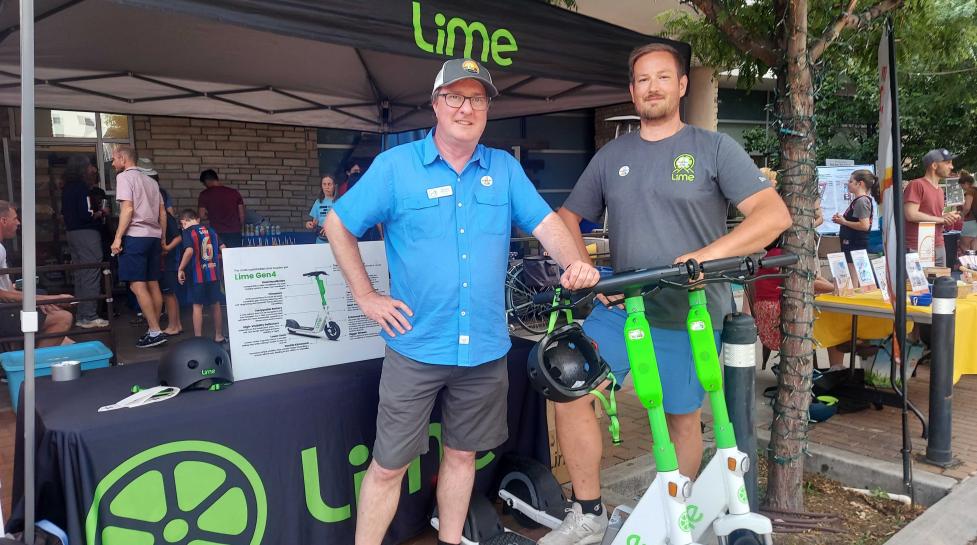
28, 319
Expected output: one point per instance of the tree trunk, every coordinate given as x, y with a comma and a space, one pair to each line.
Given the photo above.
798, 183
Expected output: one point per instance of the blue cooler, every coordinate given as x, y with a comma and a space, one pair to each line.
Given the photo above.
92, 355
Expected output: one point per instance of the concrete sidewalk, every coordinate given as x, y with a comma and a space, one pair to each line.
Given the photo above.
951, 521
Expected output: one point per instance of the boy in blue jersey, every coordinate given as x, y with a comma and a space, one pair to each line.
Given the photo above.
199, 242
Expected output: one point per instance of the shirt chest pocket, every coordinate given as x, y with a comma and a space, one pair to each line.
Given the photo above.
492, 212
423, 217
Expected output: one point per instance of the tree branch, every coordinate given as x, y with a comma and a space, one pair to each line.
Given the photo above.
851, 20
755, 46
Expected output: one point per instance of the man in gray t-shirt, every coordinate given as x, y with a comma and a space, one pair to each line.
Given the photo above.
666, 190
665, 199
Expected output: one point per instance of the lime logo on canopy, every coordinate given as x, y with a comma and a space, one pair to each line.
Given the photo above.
180, 492
496, 44
684, 168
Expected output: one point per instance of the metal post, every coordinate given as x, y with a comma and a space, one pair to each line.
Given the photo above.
941, 372
28, 316
739, 376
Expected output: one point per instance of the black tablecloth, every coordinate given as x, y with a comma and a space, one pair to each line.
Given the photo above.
226, 466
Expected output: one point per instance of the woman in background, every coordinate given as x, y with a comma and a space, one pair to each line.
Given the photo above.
968, 236
321, 207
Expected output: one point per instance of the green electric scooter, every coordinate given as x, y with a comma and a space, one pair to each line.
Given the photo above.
673, 511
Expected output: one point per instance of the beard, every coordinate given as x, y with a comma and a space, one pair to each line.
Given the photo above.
656, 111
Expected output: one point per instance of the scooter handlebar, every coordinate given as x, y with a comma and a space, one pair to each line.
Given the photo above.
778, 261
645, 278
723, 265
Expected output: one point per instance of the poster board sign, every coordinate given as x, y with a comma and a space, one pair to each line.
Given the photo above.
954, 194
878, 266
835, 198
289, 309
840, 273
926, 245
916, 274
839, 162
863, 270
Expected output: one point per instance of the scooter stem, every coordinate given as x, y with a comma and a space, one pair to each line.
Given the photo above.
707, 367
647, 381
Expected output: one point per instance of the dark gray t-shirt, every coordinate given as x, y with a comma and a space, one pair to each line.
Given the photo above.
665, 199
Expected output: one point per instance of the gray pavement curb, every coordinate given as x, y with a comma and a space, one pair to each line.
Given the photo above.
623, 482
859, 471
950, 521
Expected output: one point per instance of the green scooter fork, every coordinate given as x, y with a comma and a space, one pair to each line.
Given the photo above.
647, 381
707, 367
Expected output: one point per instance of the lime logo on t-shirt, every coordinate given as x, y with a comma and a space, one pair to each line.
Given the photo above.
684, 168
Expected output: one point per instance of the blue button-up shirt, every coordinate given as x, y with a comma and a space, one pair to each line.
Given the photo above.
447, 243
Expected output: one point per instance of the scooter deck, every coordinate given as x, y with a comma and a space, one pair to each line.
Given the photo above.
508, 538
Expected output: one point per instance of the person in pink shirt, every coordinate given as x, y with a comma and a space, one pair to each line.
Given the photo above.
142, 222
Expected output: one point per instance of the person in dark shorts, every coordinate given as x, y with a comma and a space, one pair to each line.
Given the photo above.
447, 205
201, 254
142, 222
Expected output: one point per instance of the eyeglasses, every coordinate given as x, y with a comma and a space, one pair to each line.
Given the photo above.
455, 100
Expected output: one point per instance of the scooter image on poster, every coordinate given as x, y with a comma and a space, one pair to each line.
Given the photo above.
323, 327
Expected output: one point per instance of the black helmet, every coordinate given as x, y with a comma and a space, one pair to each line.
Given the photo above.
565, 364
196, 363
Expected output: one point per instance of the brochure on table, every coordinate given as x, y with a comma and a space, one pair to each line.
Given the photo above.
916, 274
289, 309
863, 270
835, 198
840, 273
927, 244
878, 265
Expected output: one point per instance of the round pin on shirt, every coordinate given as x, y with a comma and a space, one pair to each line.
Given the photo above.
623, 171
487, 181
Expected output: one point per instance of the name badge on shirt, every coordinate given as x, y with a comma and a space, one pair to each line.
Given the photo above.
437, 192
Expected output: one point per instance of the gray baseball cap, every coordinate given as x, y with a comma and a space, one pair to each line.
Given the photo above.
459, 69
937, 155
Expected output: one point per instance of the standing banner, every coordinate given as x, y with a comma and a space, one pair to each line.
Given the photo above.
289, 309
884, 168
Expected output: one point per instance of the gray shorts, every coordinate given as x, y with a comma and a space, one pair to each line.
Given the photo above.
473, 407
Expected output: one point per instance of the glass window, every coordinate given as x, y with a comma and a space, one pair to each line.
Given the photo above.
115, 126
64, 124
107, 149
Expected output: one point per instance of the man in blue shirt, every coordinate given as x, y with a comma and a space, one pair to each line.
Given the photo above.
447, 205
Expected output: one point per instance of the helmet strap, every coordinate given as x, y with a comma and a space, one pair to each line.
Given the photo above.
610, 407
143, 397
555, 316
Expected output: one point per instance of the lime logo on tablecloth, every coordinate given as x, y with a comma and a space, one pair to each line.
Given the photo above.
741, 494
185, 492
688, 519
683, 168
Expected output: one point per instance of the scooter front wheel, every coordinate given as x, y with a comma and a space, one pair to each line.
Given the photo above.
332, 331
745, 537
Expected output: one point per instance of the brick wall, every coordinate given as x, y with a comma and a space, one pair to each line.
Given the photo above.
275, 167
604, 130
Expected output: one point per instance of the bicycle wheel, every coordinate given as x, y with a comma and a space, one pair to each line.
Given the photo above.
533, 317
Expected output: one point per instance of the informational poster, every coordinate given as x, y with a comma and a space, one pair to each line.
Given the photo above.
917, 277
926, 246
289, 309
840, 273
863, 270
878, 265
835, 198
